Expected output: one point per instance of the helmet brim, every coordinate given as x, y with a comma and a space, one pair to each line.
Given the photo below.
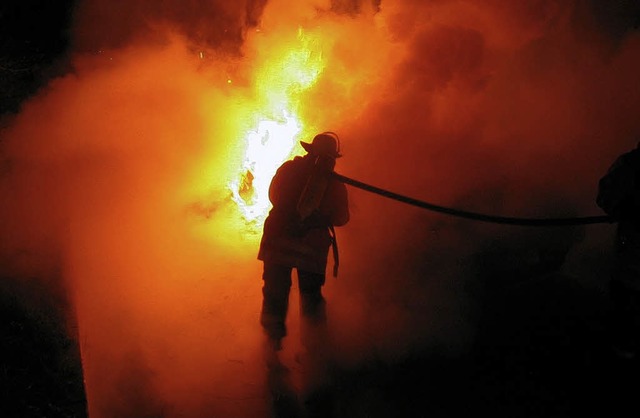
310, 149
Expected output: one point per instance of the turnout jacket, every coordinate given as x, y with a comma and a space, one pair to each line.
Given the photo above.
290, 241
619, 197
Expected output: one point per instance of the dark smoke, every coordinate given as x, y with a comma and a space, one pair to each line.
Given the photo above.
509, 108
213, 24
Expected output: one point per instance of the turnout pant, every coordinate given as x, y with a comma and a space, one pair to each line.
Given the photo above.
275, 302
625, 290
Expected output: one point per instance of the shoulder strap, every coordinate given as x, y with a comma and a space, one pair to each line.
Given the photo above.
334, 245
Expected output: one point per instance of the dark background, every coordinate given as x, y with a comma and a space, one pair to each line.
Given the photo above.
35, 38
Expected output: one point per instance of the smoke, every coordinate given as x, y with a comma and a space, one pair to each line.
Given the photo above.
107, 168
216, 24
116, 175
498, 107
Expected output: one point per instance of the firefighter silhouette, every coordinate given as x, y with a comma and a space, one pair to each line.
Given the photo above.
298, 233
619, 197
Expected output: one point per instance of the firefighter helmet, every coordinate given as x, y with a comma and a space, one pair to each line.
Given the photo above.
325, 143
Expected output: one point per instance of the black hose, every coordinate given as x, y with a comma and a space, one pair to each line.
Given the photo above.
472, 215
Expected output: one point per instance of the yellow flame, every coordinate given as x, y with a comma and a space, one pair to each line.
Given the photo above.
280, 83
267, 147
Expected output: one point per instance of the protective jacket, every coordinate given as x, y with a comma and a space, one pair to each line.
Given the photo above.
287, 239
619, 197
619, 188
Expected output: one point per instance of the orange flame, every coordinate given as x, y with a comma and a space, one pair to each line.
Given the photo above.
280, 82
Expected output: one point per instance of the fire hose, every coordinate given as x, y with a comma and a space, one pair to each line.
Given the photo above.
506, 220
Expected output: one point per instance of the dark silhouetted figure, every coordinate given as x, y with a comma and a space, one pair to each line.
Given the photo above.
298, 233
619, 197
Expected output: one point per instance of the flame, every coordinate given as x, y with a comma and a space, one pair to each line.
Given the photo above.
280, 83
267, 147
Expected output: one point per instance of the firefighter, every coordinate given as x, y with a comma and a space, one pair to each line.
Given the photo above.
619, 197
307, 204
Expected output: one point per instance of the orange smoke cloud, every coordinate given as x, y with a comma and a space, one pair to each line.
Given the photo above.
109, 164
121, 173
496, 107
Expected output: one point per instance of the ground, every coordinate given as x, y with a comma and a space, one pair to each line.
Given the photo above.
540, 351
40, 369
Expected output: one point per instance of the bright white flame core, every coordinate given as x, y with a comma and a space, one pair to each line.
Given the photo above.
280, 82
267, 148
